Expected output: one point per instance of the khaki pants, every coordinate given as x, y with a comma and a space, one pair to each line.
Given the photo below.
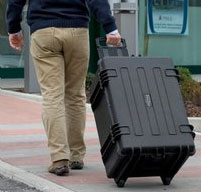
61, 58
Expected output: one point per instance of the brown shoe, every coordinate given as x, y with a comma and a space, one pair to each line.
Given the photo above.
76, 164
59, 168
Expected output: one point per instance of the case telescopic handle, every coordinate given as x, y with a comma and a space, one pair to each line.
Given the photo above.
101, 43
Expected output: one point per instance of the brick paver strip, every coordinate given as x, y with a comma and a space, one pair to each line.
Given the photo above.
21, 119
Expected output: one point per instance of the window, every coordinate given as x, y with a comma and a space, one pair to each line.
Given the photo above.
182, 48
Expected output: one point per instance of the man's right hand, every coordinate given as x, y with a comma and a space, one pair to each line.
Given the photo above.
113, 39
16, 41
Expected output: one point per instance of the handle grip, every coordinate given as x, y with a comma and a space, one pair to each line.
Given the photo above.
101, 43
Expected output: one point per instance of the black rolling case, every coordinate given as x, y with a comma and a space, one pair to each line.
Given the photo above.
140, 116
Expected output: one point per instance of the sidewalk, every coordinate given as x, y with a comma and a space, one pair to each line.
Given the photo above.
23, 144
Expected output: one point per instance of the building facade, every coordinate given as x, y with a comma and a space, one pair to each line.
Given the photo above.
182, 48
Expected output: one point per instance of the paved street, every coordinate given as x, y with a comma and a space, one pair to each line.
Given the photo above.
8, 185
23, 144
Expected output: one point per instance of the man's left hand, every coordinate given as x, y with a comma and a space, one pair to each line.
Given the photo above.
16, 41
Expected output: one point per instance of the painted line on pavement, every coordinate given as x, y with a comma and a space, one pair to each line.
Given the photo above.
30, 179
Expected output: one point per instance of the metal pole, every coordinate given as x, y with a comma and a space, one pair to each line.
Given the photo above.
126, 15
30, 79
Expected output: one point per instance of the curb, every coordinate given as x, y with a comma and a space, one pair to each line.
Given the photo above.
30, 179
32, 97
28, 96
196, 122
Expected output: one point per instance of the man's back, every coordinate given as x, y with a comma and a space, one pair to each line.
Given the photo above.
61, 13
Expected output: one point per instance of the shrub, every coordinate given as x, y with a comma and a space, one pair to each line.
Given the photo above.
191, 89
89, 80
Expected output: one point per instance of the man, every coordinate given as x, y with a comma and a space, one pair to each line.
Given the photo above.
60, 50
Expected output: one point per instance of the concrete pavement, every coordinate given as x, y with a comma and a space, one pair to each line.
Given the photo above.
23, 144
9, 185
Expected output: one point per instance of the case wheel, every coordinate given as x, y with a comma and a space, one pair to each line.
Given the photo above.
120, 183
166, 180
